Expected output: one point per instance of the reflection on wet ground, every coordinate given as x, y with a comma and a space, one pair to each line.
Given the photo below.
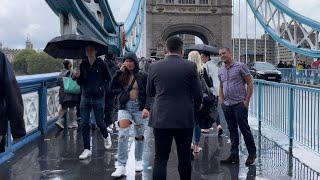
55, 156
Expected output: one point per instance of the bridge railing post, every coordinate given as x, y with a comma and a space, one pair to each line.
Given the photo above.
43, 108
291, 118
259, 105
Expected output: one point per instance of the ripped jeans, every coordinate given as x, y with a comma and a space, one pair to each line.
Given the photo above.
132, 113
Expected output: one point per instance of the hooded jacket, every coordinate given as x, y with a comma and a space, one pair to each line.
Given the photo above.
141, 78
11, 104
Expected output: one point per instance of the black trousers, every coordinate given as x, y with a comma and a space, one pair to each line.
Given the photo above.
163, 141
237, 117
3, 144
108, 109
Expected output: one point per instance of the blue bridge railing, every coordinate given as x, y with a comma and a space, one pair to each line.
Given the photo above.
40, 99
304, 76
292, 110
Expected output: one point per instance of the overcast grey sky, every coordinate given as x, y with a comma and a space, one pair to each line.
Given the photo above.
34, 18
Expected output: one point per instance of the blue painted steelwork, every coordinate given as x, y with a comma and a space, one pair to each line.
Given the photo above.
34, 83
294, 15
137, 11
292, 110
109, 23
304, 76
272, 32
109, 31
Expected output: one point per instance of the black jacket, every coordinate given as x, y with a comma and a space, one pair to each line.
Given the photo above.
94, 79
11, 104
141, 78
175, 84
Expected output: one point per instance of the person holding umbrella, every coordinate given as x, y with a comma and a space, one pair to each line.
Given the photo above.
93, 79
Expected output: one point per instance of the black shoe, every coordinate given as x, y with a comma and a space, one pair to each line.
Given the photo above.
220, 132
230, 160
93, 127
251, 158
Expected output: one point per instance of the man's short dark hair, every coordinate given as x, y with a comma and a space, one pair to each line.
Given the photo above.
206, 54
174, 44
226, 48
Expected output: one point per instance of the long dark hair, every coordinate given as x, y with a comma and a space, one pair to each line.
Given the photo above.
125, 77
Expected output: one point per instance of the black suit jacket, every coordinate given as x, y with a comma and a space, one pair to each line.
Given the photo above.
174, 83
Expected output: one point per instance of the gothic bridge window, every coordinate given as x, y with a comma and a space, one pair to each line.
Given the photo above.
187, 1
204, 2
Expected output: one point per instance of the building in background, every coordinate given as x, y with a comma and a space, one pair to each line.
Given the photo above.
11, 53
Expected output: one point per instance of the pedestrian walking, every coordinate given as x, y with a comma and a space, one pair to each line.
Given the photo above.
68, 101
93, 79
134, 107
175, 85
212, 67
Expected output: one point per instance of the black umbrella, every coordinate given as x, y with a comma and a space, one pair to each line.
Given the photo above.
203, 47
73, 46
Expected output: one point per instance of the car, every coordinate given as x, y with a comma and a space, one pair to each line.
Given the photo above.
265, 71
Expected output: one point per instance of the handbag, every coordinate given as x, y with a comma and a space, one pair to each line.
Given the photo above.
70, 86
125, 95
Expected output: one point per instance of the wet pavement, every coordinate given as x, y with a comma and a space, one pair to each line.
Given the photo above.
55, 157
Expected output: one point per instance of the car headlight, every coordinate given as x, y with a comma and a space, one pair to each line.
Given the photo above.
261, 72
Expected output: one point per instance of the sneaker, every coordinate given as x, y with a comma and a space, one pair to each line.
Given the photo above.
205, 131
108, 142
59, 124
197, 149
74, 124
251, 158
120, 171
230, 160
139, 166
109, 129
85, 154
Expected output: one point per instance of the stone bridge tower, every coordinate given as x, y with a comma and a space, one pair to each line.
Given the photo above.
210, 20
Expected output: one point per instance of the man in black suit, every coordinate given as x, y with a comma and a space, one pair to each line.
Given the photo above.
175, 86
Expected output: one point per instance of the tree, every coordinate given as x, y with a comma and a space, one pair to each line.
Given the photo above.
44, 63
20, 64
30, 62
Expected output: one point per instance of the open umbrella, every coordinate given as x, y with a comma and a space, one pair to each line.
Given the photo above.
72, 46
203, 47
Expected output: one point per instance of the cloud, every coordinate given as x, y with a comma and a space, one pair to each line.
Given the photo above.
34, 18
19, 18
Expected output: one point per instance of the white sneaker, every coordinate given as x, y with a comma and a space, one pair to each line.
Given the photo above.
59, 124
139, 166
108, 142
74, 124
85, 154
120, 171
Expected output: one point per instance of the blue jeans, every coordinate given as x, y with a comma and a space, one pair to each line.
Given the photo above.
92, 118
132, 113
196, 134
97, 105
